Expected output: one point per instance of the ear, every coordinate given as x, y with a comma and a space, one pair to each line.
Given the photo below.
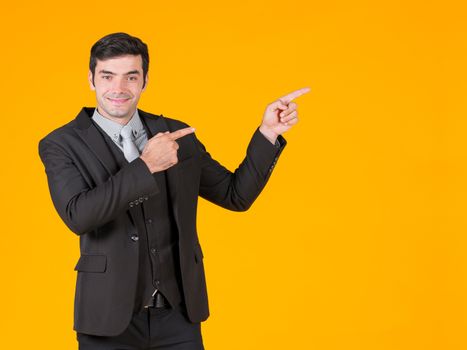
145, 83
91, 85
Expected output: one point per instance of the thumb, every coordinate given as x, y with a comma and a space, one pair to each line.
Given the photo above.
277, 105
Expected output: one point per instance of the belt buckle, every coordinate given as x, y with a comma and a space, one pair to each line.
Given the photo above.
159, 301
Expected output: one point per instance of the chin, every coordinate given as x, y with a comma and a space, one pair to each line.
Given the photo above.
119, 114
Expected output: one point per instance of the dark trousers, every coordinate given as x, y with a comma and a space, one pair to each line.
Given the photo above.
163, 328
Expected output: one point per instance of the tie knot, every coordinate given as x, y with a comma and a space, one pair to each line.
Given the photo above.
126, 132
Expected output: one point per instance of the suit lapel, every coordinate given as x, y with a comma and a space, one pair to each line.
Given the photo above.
93, 138
157, 124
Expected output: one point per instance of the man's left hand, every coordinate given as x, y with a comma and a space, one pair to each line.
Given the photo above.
281, 115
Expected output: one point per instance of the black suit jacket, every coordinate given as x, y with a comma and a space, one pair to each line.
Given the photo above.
96, 199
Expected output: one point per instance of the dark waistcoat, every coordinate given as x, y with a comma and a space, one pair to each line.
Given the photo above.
158, 240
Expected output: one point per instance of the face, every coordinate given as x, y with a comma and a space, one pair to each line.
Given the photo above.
118, 83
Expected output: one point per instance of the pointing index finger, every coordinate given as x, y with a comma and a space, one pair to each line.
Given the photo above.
293, 95
180, 133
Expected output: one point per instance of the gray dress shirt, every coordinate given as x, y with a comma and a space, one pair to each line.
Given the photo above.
113, 129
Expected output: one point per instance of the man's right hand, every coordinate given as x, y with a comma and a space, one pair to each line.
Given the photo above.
160, 152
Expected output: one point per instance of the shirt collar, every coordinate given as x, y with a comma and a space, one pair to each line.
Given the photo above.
113, 128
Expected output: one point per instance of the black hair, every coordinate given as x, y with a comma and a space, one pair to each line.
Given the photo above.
115, 45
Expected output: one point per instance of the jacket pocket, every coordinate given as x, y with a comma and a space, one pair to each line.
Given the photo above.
91, 263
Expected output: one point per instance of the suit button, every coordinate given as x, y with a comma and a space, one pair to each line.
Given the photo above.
149, 221
134, 238
153, 250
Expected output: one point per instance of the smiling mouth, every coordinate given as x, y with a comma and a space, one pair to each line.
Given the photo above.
118, 101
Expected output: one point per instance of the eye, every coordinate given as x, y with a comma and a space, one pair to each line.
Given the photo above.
132, 78
106, 77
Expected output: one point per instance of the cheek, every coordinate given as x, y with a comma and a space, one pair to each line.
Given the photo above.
101, 87
102, 92
136, 92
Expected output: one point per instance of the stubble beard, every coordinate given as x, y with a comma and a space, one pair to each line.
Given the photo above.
114, 112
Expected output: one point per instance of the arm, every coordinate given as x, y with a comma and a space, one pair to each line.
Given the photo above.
83, 208
238, 190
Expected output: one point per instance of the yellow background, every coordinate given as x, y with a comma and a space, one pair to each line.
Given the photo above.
359, 239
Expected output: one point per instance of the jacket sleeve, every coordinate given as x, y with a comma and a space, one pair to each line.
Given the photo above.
238, 190
83, 208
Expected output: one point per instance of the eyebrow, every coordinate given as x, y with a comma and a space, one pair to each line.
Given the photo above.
103, 71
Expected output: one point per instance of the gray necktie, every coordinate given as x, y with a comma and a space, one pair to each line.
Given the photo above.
129, 148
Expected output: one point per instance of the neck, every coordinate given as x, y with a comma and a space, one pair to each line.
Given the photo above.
122, 120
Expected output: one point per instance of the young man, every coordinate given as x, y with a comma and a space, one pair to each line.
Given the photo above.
127, 183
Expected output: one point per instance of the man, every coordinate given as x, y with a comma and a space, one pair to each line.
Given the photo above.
127, 183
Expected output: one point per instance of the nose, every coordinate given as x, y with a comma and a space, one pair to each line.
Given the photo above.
119, 84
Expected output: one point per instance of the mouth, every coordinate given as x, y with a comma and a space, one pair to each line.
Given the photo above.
118, 101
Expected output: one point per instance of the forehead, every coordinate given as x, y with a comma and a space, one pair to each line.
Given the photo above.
120, 64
